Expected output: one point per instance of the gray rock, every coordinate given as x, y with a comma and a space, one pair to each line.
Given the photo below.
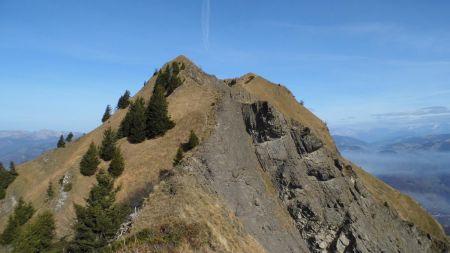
290, 192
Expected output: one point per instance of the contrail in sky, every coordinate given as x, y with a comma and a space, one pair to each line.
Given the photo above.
205, 22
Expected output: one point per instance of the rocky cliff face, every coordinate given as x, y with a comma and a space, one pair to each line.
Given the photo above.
291, 192
265, 177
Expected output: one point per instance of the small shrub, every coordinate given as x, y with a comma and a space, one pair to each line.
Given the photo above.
67, 187
165, 174
178, 157
61, 180
50, 191
193, 141
232, 83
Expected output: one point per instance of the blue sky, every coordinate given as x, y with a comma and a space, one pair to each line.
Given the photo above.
356, 64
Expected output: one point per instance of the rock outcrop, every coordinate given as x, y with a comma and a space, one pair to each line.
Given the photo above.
266, 177
265, 165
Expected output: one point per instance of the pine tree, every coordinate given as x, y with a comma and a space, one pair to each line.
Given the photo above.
108, 146
61, 142
117, 164
158, 122
98, 222
168, 79
50, 192
90, 161
6, 178
178, 157
37, 236
133, 125
193, 141
124, 128
12, 169
107, 114
22, 213
69, 137
124, 100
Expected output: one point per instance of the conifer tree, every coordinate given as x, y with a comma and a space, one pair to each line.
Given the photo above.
50, 191
193, 141
98, 222
117, 164
61, 142
178, 157
37, 236
124, 100
124, 128
69, 137
6, 178
90, 161
158, 121
133, 125
107, 114
108, 146
22, 213
168, 79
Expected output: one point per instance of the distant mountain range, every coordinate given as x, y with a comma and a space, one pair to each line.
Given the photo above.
21, 146
416, 165
438, 142
385, 134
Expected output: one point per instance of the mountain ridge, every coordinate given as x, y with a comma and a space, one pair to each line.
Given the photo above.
267, 173
420, 143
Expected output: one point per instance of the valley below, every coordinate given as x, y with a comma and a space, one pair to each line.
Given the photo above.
414, 168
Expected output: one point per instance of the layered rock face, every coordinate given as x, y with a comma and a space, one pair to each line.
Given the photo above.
266, 177
291, 192
332, 209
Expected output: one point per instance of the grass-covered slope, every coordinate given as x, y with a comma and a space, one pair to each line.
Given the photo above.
285, 102
178, 211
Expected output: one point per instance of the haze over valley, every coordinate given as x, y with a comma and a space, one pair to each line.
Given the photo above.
418, 165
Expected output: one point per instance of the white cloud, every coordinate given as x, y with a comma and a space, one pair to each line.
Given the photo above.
425, 112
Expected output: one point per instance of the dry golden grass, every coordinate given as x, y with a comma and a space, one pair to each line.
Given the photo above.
408, 209
180, 199
190, 106
280, 97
